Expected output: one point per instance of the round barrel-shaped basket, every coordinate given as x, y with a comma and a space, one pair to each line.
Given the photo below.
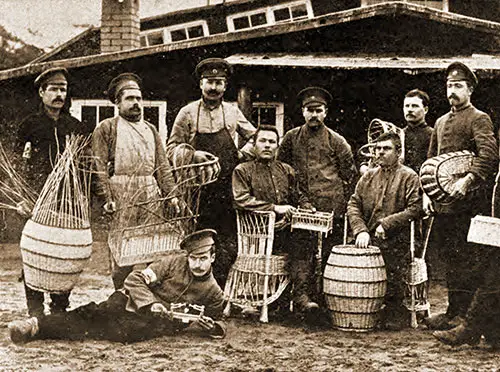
439, 174
54, 257
354, 284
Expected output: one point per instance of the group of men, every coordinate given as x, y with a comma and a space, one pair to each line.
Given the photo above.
312, 168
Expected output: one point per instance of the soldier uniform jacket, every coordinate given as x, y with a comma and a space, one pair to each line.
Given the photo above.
48, 138
196, 116
466, 128
170, 281
387, 197
324, 164
103, 147
417, 140
261, 185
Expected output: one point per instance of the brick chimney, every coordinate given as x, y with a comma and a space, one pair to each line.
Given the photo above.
120, 25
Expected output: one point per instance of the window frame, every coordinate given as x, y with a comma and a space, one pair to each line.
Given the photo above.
78, 103
269, 11
167, 38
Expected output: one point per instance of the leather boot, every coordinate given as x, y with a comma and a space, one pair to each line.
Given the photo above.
458, 336
300, 274
22, 331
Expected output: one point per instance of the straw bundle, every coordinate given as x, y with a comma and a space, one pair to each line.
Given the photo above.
63, 201
14, 190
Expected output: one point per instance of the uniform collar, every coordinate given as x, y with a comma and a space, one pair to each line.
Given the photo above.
390, 169
211, 106
455, 109
421, 124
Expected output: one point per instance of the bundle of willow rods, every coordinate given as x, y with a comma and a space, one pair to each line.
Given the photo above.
63, 201
14, 190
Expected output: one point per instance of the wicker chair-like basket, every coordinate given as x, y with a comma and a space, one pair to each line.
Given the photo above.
258, 277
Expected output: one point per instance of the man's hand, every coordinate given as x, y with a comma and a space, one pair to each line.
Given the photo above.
23, 209
427, 205
202, 156
461, 187
380, 232
362, 240
285, 210
158, 309
175, 204
206, 323
109, 207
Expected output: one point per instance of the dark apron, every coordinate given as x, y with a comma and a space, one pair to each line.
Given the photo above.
216, 209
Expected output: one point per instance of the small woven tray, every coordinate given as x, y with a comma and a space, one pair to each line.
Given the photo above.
313, 221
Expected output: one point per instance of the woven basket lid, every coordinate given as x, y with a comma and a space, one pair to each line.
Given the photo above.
352, 250
439, 174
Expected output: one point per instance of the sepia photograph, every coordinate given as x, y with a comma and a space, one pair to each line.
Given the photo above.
249, 185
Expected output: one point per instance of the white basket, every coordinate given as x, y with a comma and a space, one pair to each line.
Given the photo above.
313, 221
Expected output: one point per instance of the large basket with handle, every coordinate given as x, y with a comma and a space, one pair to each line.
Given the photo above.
147, 242
439, 174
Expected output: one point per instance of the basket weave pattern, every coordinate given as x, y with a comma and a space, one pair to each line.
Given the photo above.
355, 284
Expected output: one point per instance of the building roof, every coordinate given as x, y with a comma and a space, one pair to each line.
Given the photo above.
342, 17
331, 61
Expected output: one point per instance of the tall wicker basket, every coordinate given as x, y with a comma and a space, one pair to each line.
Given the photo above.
56, 242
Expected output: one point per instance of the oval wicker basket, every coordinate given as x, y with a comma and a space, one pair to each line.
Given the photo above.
54, 257
354, 283
439, 174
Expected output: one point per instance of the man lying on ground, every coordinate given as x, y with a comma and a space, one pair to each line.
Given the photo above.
140, 310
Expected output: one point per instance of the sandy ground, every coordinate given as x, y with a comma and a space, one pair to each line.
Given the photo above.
249, 346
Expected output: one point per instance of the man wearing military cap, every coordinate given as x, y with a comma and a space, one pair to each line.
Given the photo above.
141, 310
130, 161
210, 125
41, 137
323, 161
463, 128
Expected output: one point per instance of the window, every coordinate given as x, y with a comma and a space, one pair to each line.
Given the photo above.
268, 113
91, 112
271, 15
171, 34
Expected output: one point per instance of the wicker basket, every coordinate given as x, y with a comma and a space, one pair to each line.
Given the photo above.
54, 257
439, 174
484, 230
142, 244
313, 221
354, 284
245, 284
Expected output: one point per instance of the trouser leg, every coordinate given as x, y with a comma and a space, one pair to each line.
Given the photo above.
119, 274
60, 302
105, 321
34, 300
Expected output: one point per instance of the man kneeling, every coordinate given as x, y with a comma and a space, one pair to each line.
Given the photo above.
140, 310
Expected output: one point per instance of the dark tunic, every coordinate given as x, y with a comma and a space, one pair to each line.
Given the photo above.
324, 164
260, 186
417, 140
48, 138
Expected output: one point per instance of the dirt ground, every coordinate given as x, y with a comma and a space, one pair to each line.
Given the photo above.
249, 345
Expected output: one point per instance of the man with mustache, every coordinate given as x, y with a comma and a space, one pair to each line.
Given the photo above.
463, 128
417, 132
141, 310
41, 137
386, 199
131, 164
210, 126
266, 184
323, 161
